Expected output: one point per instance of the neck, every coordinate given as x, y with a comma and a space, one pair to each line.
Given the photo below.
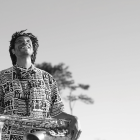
26, 63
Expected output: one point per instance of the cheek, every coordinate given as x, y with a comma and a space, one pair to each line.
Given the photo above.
16, 47
32, 51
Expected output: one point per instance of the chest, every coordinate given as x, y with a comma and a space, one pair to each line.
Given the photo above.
26, 87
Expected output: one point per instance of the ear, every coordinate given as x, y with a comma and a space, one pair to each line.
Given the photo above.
13, 51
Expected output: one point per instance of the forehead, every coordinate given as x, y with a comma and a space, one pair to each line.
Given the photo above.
23, 37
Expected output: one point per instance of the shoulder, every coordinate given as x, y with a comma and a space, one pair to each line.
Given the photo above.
6, 71
45, 74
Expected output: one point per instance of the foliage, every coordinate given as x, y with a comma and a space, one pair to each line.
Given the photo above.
81, 97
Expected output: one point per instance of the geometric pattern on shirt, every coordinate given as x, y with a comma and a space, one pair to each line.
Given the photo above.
29, 92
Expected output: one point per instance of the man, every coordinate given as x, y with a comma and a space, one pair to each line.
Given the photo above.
28, 91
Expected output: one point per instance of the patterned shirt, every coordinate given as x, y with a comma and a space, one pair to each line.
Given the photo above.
29, 92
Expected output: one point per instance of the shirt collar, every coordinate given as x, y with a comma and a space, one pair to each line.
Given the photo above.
32, 68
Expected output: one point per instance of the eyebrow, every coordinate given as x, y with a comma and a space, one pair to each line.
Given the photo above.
21, 38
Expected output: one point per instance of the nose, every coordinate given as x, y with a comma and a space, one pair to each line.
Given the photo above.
24, 41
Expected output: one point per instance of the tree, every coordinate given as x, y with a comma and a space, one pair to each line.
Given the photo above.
65, 80
81, 97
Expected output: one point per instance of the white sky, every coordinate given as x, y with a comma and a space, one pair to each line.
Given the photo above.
99, 41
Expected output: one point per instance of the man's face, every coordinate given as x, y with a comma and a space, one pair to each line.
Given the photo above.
23, 47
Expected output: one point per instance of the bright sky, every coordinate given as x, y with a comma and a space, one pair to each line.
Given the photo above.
100, 42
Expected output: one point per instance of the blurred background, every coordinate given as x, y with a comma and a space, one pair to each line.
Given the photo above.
96, 44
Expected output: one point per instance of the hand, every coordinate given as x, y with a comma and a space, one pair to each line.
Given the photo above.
1, 126
75, 128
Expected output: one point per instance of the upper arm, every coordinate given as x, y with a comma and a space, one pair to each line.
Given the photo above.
1, 99
57, 105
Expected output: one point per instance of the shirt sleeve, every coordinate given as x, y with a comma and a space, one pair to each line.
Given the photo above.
1, 99
57, 105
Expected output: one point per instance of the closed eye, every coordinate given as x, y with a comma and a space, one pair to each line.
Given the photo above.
28, 40
18, 41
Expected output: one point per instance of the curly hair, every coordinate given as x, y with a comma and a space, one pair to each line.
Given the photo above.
12, 45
